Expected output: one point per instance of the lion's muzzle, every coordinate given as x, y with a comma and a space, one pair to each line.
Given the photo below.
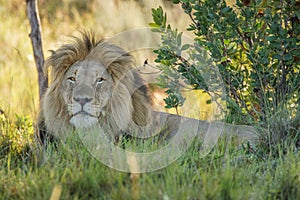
83, 113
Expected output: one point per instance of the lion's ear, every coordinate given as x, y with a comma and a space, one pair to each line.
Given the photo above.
121, 106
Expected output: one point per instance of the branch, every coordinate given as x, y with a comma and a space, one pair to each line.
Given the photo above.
193, 20
36, 41
187, 63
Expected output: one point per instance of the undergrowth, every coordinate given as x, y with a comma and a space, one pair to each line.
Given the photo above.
229, 171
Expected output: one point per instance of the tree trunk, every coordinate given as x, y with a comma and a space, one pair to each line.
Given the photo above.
36, 41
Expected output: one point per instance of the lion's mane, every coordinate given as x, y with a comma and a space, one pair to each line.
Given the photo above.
129, 104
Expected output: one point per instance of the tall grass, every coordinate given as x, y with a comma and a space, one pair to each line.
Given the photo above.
224, 174
18, 77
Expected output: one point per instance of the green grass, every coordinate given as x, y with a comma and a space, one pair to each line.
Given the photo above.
228, 172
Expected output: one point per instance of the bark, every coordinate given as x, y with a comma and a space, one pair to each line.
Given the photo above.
36, 41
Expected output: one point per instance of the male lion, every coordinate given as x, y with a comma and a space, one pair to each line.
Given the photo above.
94, 85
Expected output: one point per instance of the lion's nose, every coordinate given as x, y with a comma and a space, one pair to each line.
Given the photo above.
82, 101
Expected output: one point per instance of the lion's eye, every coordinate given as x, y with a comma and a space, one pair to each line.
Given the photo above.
72, 79
99, 81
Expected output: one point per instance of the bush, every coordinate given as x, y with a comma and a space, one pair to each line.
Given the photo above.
255, 46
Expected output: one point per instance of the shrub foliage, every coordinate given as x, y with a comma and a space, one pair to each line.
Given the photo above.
255, 46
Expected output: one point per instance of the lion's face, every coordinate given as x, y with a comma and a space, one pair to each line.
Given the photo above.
86, 90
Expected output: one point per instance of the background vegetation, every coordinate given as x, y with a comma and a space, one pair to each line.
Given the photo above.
255, 46
271, 170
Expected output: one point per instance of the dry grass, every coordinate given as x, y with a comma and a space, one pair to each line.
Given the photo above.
60, 19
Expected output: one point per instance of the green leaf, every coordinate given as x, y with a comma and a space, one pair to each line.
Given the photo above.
179, 39
226, 10
271, 38
159, 17
185, 47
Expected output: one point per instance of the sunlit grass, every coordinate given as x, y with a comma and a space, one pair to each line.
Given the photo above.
18, 85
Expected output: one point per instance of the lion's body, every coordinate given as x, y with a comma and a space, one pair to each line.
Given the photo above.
94, 84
